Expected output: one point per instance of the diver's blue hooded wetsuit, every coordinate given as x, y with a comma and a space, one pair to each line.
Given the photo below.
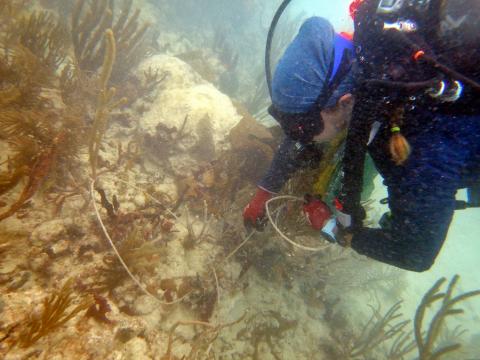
444, 135
304, 77
445, 157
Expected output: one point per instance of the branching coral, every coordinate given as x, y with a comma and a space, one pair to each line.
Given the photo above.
22, 76
379, 330
130, 34
90, 20
99, 310
397, 340
426, 341
198, 292
39, 132
137, 254
105, 102
266, 327
202, 343
43, 36
166, 140
192, 238
11, 9
35, 148
58, 309
37, 174
402, 345
4, 246
43, 133
88, 30
451, 336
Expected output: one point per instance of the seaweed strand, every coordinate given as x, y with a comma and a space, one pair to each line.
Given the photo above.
58, 309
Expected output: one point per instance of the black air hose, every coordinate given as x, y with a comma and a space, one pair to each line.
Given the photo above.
268, 49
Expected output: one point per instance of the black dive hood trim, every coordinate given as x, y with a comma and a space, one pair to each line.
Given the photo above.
301, 127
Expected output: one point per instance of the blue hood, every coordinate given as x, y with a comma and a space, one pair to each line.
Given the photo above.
301, 74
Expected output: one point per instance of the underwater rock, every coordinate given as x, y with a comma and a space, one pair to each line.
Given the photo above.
75, 230
186, 101
48, 232
204, 149
204, 64
125, 334
58, 249
139, 200
129, 328
124, 297
144, 305
181, 75
248, 132
7, 267
18, 279
136, 349
170, 190
40, 263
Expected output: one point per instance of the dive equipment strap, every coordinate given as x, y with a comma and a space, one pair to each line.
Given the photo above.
354, 158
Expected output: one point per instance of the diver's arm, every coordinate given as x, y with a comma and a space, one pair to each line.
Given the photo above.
418, 229
284, 164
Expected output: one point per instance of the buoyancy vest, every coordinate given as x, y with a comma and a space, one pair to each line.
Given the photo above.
383, 57
391, 59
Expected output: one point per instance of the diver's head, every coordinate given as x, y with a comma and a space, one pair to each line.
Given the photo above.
311, 81
336, 119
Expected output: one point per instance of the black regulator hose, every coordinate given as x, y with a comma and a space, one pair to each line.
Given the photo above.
268, 49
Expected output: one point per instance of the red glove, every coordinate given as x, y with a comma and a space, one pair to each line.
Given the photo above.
254, 212
317, 212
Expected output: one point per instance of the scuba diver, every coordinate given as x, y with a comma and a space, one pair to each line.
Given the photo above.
312, 101
417, 113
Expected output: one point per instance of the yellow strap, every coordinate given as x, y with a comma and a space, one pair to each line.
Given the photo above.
395, 129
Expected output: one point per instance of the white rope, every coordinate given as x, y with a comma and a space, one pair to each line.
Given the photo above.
119, 257
176, 217
285, 237
150, 196
217, 284
240, 246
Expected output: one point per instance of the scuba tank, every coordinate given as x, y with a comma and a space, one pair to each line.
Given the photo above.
419, 49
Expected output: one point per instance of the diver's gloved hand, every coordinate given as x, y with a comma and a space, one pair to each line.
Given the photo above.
316, 211
332, 227
349, 218
320, 217
254, 212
